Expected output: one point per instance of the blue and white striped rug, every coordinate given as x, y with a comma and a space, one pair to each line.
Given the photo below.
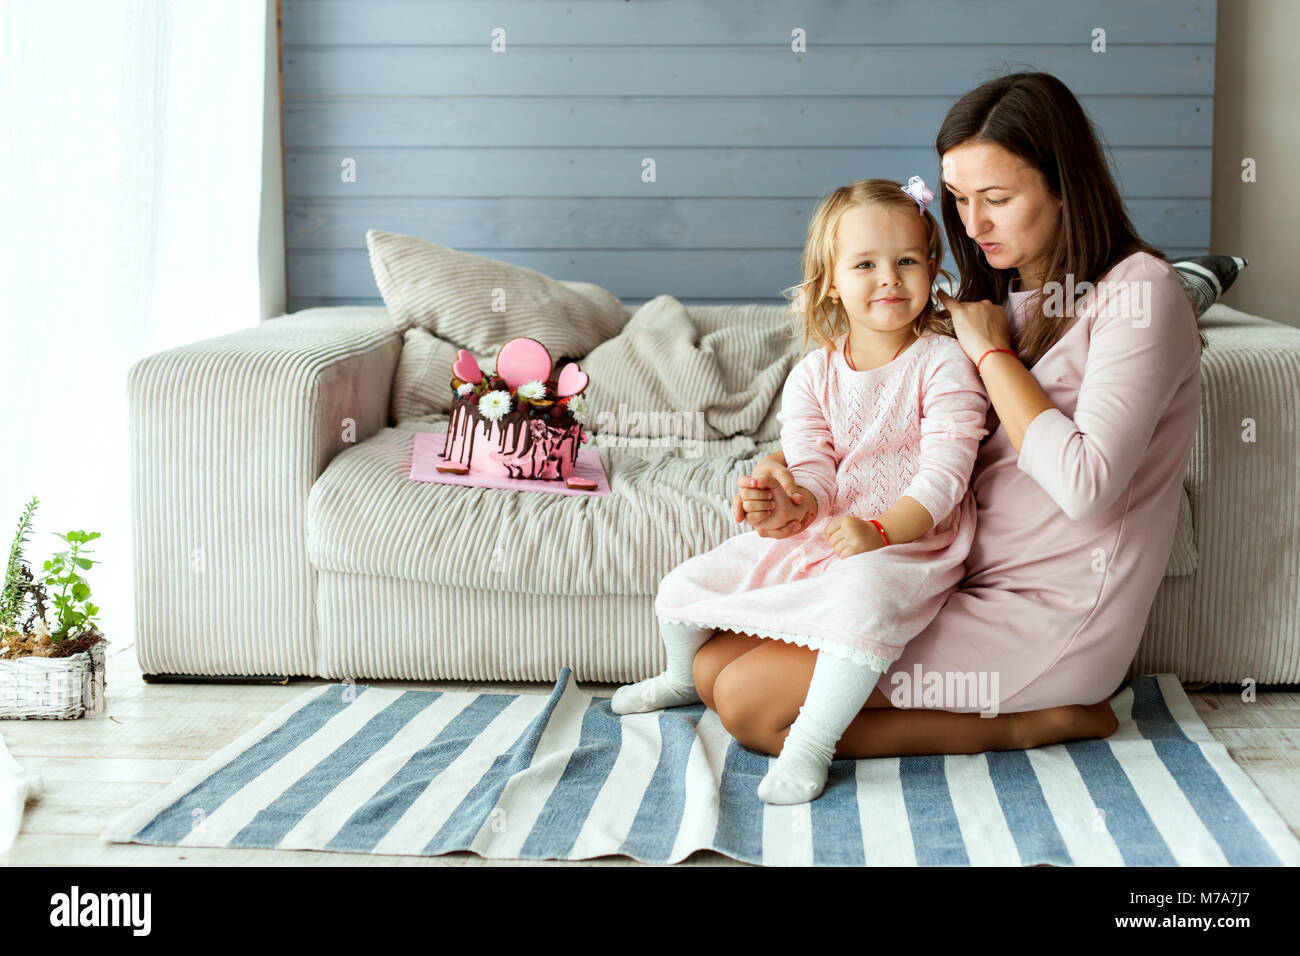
364, 769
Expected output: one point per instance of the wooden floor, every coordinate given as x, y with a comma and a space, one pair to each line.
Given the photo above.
94, 769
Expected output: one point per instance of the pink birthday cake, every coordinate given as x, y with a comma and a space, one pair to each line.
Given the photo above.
518, 422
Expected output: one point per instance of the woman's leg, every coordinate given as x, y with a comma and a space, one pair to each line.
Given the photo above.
758, 696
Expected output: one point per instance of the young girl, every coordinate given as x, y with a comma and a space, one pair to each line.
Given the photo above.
881, 428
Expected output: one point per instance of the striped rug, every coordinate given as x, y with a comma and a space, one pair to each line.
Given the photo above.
365, 769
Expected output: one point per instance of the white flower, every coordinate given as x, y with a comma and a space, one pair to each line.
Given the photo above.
494, 404
578, 408
464, 388
531, 390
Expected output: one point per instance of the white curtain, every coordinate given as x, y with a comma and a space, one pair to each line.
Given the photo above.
131, 170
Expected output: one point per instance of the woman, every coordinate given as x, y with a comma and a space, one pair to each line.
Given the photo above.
1095, 397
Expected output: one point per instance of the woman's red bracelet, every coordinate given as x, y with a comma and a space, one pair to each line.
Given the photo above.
986, 354
880, 528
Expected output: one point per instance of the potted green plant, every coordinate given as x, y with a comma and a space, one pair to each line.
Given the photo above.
48, 673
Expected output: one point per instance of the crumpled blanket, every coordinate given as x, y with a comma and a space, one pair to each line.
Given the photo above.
712, 373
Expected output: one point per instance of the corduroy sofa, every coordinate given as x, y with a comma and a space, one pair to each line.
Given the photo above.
276, 532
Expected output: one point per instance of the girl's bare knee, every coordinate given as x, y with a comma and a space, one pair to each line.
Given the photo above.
740, 713
705, 673
713, 657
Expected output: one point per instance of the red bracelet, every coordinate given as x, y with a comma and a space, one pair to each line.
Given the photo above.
986, 354
880, 528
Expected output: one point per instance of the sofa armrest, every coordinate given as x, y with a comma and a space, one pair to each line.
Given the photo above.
1245, 499
227, 437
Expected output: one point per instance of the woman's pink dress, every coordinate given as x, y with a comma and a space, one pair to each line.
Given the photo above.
858, 440
1075, 532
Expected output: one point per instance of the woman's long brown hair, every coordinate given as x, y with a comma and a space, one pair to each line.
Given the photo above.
1036, 117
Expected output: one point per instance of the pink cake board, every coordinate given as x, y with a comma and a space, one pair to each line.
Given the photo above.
426, 455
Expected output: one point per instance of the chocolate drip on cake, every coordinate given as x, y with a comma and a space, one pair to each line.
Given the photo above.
513, 435
459, 426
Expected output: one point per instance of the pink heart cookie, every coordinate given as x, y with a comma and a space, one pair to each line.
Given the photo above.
465, 367
572, 381
523, 360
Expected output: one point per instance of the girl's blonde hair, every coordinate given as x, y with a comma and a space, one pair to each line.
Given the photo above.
816, 314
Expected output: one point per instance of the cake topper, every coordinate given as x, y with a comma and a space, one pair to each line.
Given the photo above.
523, 360
572, 381
466, 367
522, 376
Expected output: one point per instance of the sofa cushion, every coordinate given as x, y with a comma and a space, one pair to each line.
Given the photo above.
480, 304
667, 504
422, 379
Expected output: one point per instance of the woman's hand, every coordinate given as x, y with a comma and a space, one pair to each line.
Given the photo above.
850, 535
980, 326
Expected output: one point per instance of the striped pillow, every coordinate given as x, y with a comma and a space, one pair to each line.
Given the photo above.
480, 304
1206, 278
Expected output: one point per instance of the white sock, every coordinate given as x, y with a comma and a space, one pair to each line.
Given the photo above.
838, 689
676, 685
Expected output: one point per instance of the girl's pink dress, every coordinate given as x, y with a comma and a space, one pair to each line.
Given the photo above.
859, 440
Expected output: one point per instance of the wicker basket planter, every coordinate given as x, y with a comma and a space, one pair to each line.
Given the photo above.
55, 675
53, 688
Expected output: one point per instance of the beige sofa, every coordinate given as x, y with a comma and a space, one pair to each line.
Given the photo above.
276, 532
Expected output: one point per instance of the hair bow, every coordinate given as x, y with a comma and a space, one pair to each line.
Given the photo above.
916, 189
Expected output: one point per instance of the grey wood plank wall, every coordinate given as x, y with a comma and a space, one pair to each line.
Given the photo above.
533, 152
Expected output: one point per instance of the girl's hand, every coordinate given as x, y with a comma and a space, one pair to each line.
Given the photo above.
850, 535
980, 326
771, 512
757, 504
768, 475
